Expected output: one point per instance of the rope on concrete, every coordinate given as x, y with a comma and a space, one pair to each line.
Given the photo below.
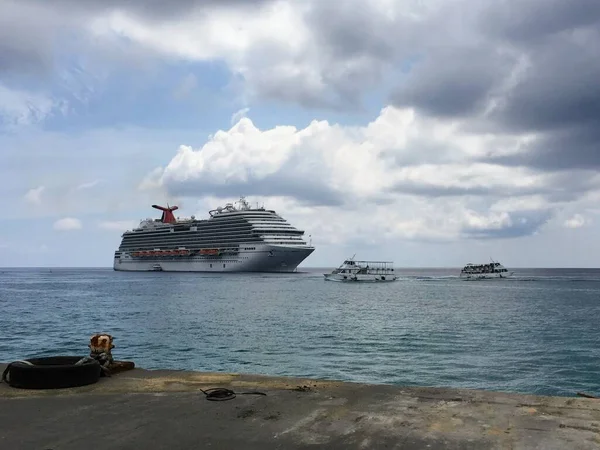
222, 394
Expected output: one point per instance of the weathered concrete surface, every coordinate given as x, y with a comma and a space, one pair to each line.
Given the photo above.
166, 410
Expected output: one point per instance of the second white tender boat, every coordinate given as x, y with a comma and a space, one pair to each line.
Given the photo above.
482, 271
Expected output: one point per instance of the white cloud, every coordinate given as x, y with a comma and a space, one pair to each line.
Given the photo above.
238, 115
67, 224
19, 107
270, 42
401, 176
577, 221
34, 195
88, 185
152, 180
119, 225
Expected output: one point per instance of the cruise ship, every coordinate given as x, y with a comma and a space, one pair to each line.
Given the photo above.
233, 239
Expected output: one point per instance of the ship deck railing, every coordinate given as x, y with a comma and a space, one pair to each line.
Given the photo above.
373, 265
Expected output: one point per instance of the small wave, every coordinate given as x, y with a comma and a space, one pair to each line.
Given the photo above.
512, 279
434, 278
555, 279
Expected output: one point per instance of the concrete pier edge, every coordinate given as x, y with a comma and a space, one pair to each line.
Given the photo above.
167, 409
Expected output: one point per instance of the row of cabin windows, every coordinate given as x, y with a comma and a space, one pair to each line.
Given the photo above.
249, 248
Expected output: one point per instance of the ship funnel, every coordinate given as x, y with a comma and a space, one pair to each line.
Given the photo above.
167, 215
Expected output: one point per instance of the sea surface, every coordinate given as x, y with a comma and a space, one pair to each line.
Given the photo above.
537, 333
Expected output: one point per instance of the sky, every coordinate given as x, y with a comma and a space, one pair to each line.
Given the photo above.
428, 132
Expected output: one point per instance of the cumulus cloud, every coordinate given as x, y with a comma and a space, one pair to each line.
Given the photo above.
238, 115
493, 124
516, 66
399, 167
67, 224
34, 196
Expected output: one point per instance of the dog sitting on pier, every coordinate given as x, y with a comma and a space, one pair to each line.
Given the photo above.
101, 346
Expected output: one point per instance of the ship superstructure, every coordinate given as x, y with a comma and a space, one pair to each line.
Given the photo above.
232, 239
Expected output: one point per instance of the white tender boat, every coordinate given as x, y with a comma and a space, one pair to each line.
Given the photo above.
352, 270
480, 271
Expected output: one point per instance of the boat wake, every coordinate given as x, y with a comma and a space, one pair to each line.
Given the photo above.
512, 279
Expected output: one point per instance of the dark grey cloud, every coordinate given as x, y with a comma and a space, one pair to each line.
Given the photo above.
27, 34
560, 187
149, 9
346, 29
23, 58
521, 223
531, 20
338, 64
453, 82
430, 190
533, 67
558, 98
34, 33
560, 88
537, 61
574, 148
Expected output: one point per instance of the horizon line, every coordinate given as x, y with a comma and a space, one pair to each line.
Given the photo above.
314, 267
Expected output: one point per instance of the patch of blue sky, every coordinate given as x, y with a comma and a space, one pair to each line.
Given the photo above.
176, 95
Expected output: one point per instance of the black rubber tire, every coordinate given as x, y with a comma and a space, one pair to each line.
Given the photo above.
54, 372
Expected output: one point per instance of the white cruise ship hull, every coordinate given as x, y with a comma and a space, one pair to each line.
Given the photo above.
266, 258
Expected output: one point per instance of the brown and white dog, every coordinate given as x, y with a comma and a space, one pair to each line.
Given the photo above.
101, 346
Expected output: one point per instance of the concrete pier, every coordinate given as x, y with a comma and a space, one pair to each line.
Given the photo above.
143, 409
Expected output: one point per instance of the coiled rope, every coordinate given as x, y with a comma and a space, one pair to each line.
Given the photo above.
222, 394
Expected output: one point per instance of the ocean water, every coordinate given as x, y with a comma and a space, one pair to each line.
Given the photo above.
537, 333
